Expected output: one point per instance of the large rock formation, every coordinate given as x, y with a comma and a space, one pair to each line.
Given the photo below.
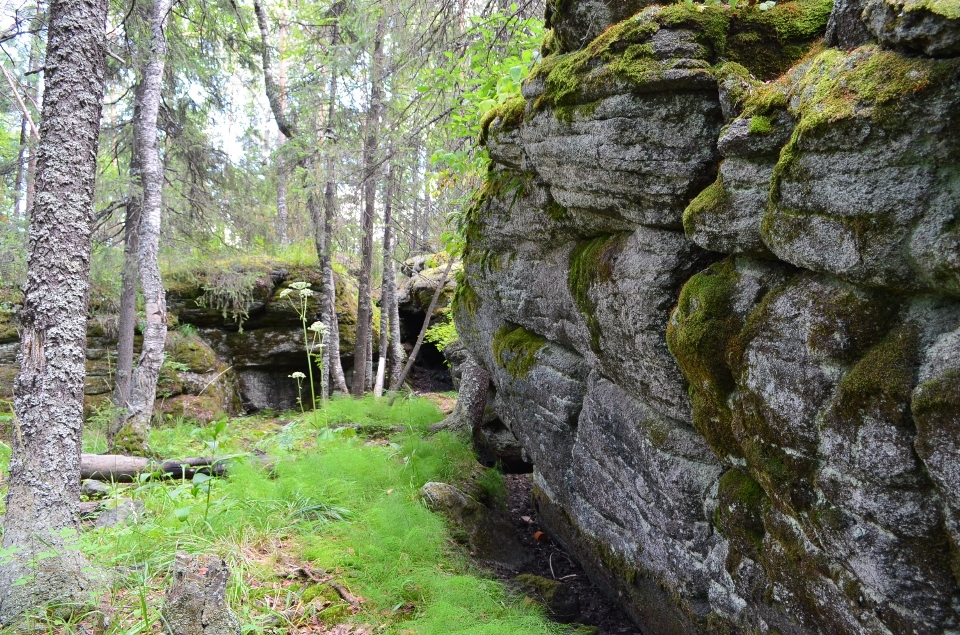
715, 277
232, 344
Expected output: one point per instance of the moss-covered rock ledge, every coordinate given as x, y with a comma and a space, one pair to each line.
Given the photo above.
714, 276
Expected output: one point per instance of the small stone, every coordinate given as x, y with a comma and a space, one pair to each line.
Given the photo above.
561, 602
125, 511
94, 489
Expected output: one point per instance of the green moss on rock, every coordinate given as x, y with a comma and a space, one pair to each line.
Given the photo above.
8, 327
465, 298
710, 202
190, 351
766, 43
510, 114
868, 82
515, 349
702, 336
880, 384
739, 515
591, 262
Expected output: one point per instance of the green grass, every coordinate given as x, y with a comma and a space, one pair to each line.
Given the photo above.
341, 503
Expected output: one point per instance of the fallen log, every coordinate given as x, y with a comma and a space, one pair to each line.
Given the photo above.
120, 468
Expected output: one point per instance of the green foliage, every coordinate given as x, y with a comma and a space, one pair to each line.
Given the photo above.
13, 262
486, 78
231, 292
442, 334
340, 505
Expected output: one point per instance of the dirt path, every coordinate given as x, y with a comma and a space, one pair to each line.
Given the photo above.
551, 561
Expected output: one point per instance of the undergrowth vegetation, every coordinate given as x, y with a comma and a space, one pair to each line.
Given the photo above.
319, 528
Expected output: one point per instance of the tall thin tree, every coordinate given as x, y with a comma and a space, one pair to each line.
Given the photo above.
364, 305
44, 483
332, 363
132, 436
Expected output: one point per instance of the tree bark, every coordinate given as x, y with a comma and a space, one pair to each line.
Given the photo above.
128, 312
331, 354
270, 81
21, 168
423, 331
120, 468
129, 276
42, 503
283, 173
132, 436
365, 309
390, 347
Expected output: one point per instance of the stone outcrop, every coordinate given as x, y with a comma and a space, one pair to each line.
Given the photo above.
714, 274
232, 344
193, 385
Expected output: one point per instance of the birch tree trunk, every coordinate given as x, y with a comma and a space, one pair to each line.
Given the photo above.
270, 81
132, 436
390, 347
365, 309
42, 503
283, 173
331, 353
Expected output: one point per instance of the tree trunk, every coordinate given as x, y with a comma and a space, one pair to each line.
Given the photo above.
42, 503
338, 380
332, 365
390, 347
282, 234
364, 310
282, 172
132, 436
31, 149
398, 382
271, 84
414, 234
129, 276
128, 312
21, 171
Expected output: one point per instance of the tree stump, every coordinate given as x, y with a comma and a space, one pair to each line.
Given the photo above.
196, 602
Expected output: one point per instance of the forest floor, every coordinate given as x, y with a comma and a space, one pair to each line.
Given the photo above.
321, 524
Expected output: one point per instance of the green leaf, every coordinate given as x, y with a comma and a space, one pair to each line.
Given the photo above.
182, 513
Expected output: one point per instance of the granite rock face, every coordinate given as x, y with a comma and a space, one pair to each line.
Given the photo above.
749, 425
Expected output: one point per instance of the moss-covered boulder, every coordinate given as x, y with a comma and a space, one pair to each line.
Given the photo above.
763, 444
864, 189
726, 216
420, 278
240, 309
928, 26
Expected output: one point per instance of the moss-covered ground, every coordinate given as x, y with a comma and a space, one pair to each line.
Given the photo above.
304, 511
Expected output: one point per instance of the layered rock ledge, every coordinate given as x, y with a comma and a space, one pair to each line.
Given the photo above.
715, 276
